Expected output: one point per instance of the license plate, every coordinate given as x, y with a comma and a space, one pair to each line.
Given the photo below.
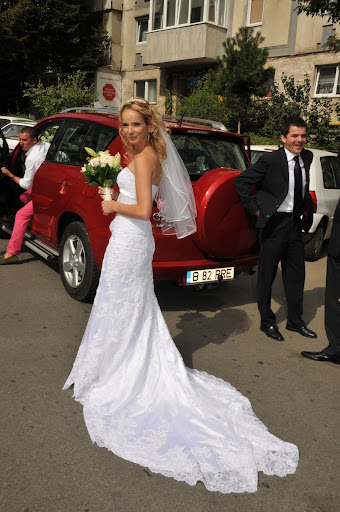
209, 275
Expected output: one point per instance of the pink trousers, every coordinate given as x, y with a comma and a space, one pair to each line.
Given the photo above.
22, 218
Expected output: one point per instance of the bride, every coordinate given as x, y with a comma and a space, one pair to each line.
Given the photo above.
139, 399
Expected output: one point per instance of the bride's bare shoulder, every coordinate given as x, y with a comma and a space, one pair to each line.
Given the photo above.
147, 158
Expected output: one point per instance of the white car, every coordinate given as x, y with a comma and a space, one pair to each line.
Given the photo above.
10, 119
11, 131
325, 191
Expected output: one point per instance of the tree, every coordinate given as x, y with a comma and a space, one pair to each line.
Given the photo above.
69, 92
241, 73
204, 103
330, 8
294, 99
47, 35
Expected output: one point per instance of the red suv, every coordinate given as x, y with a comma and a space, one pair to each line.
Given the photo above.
68, 222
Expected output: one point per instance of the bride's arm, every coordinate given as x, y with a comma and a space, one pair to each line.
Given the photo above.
144, 165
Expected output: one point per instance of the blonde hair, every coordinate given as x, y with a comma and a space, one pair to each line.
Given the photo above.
151, 117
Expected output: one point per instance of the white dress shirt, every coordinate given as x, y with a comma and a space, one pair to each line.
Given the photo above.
288, 204
34, 158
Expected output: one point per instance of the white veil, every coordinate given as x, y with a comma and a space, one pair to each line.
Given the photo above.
175, 198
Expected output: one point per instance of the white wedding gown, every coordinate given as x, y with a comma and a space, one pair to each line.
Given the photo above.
139, 399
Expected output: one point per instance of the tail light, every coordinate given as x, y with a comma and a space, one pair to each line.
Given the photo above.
315, 201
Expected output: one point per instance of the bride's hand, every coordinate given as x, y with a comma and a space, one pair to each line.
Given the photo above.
108, 207
114, 193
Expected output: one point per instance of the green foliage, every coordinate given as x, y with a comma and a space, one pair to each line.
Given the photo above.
204, 103
294, 100
241, 73
264, 116
329, 8
69, 92
57, 35
333, 43
168, 103
46, 35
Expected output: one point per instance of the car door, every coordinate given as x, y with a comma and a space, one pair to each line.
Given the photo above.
55, 180
331, 187
59, 186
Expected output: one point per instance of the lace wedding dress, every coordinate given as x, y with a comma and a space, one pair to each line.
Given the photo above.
139, 399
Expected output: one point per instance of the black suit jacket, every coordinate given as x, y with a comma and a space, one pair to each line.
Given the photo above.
271, 177
334, 241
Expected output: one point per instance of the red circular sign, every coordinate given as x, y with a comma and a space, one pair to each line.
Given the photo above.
109, 92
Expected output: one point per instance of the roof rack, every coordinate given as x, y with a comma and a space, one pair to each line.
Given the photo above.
214, 124
90, 109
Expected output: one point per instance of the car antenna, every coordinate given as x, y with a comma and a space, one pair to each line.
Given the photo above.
180, 120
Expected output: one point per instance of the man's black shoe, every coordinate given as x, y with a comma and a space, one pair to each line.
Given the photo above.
303, 330
272, 332
321, 356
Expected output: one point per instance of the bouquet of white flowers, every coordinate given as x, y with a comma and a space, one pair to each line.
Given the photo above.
102, 169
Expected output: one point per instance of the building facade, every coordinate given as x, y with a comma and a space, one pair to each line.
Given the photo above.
163, 47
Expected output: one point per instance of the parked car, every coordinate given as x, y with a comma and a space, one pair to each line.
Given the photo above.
68, 223
4, 151
10, 119
4, 184
12, 130
325, 191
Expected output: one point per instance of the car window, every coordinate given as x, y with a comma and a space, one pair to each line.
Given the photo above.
205, 151
330, 172
98, 138
255, 155
2, 140
47, 133
68, 145
102, 137
13, 130
3, 122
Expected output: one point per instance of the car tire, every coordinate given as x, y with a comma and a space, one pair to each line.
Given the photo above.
313, 248
78, 270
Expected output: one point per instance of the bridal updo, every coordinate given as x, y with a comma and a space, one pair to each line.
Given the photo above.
151, 117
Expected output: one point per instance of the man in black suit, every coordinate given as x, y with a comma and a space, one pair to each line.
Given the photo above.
282, 194
332, 298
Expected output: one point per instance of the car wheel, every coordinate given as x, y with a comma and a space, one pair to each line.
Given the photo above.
79, 273
314, 246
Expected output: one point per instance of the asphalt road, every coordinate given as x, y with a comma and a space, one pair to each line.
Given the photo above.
48, 463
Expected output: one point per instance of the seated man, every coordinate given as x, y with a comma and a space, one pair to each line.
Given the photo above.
35, 155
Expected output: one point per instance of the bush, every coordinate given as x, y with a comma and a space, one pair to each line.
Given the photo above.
71, 91
203, 103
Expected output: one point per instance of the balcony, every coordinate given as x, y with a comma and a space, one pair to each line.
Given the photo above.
198, 43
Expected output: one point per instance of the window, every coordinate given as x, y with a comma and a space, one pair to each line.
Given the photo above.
102, 136
141, 29
205, 151
196, 14
13, 130
255, 12
327, 81
47, 134
4, 121
146, 89
68, 147
172, 13
330, 172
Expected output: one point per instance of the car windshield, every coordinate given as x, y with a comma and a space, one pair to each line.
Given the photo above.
3, 122
13, 130
203, 151
330, 171
255, 155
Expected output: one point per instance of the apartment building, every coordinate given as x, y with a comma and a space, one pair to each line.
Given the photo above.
168, 45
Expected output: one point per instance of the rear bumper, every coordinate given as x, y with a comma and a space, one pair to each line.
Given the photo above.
177, 270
